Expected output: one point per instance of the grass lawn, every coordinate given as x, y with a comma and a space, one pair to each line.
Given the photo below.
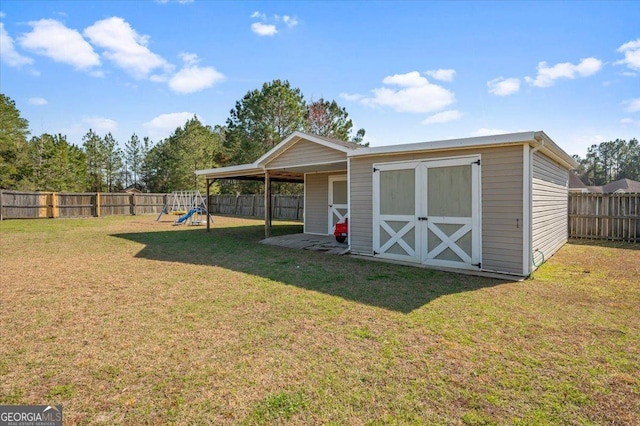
124, 320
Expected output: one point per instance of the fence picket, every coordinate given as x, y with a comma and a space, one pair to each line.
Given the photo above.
605, 216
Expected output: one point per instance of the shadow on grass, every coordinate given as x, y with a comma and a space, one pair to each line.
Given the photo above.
394, 287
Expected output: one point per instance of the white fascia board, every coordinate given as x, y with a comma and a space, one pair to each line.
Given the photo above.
242, 169
552, 150
482, 141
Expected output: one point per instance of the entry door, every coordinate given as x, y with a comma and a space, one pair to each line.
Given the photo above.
450, 227
428, 212
338, 203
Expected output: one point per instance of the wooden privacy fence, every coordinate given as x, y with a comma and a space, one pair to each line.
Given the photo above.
24, 205
282, 206
605, 216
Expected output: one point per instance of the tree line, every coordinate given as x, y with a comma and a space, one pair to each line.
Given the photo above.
259, 121
610, 161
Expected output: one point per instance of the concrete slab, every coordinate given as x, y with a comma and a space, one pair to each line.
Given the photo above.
322, 243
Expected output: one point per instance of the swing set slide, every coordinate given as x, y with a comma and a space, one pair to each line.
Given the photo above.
186, 216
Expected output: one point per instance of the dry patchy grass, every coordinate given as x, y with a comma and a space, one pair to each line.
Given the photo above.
131, 321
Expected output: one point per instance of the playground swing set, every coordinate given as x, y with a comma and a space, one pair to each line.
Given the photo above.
190, 206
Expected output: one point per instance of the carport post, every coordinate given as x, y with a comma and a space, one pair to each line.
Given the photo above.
209, 183
267, 204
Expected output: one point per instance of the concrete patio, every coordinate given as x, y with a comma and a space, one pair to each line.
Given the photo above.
322, 243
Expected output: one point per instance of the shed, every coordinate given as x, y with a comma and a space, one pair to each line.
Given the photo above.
483, 204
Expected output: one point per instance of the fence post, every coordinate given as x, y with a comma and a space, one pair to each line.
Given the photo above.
235, 207
97, 204
1, 208
132, 204
55, 212
298, 208
49, 203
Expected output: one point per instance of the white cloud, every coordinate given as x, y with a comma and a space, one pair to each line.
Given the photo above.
193, 79
632, 105
125, 47
38, 101
503, 86
259, 15
351, 97
289, 21
163, 125
100, 124
8, 53
443, 117
264, 29
406, 80
631, 52
483, 131
2, 15
54, 40
548, 75
442, 74
629, 122
415, 95
189, 58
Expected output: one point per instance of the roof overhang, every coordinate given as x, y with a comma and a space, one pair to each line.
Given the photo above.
539, 138
251, 172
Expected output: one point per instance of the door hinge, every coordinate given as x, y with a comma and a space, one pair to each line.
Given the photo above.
476, 162
423, 218
375, 169
479, 265
375, 252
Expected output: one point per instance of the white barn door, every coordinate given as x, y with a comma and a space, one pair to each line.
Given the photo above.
450, 228
428, 212
338, 202
396, 211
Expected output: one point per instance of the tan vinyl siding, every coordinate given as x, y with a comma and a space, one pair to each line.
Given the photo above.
316, 208
549, 206
501, 175
304, 153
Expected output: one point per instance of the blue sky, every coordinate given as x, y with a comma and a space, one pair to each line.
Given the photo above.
405, 71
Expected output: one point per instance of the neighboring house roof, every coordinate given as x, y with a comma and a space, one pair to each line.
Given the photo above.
576, 184
135, 187
596, 189
539, 138
622, 185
